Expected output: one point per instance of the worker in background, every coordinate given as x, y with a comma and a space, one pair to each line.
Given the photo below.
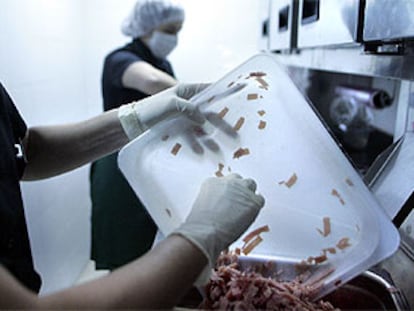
223, 210
122, 230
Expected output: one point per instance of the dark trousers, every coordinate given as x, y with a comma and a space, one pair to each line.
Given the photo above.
122, 230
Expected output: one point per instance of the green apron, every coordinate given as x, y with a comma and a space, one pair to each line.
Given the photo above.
122, 230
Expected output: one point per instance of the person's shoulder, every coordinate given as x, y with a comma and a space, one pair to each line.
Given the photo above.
121, 55
125, 51
120, 51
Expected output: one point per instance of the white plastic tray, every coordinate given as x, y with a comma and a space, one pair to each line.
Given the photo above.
293, 141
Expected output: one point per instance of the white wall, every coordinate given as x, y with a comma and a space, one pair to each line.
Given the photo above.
217, 36
51, 54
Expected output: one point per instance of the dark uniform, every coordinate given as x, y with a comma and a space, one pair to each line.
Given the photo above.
15, 252
122, 230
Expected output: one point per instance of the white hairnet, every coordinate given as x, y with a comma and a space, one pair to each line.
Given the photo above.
150, 14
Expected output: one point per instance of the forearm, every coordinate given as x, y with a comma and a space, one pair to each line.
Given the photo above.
14, 295
145, 78
52, 150
155, 281
158, 84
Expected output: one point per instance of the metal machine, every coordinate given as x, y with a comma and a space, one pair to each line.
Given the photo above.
354, 61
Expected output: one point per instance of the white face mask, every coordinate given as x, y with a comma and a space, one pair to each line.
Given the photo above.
161, 44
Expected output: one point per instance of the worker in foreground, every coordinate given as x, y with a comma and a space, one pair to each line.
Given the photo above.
224, 209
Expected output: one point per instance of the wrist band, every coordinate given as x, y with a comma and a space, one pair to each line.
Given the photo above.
130, 122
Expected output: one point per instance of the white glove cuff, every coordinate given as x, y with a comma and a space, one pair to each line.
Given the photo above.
128, 116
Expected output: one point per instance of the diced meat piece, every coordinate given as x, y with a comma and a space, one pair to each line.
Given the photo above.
255, 232
326, 227
219, 172
176, 148
263, 83
320, 259
335, 193
239, 124
343, 243
262, 125
241, 152
232, 289
223, 112
250, 246
258, 74
302, 267
331, 250
252, 96
349, 182
290, 182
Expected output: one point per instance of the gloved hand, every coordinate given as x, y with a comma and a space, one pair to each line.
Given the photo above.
222, 212
138, 116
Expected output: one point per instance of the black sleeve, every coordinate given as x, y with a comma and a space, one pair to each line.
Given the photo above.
17, 122
116, 64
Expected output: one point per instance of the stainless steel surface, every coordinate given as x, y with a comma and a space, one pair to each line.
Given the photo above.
369, 291
283, 24
395, 184
404, 121
333, 48
322, 88
400, 266
407, 232
264, 16
394, 120
388, 20
318, 31
352, 60
393, 188
381, 162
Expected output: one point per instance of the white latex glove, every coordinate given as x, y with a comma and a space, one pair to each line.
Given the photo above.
138, 116
222, 212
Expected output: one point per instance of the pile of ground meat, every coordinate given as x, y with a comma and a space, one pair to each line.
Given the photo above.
232, 289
